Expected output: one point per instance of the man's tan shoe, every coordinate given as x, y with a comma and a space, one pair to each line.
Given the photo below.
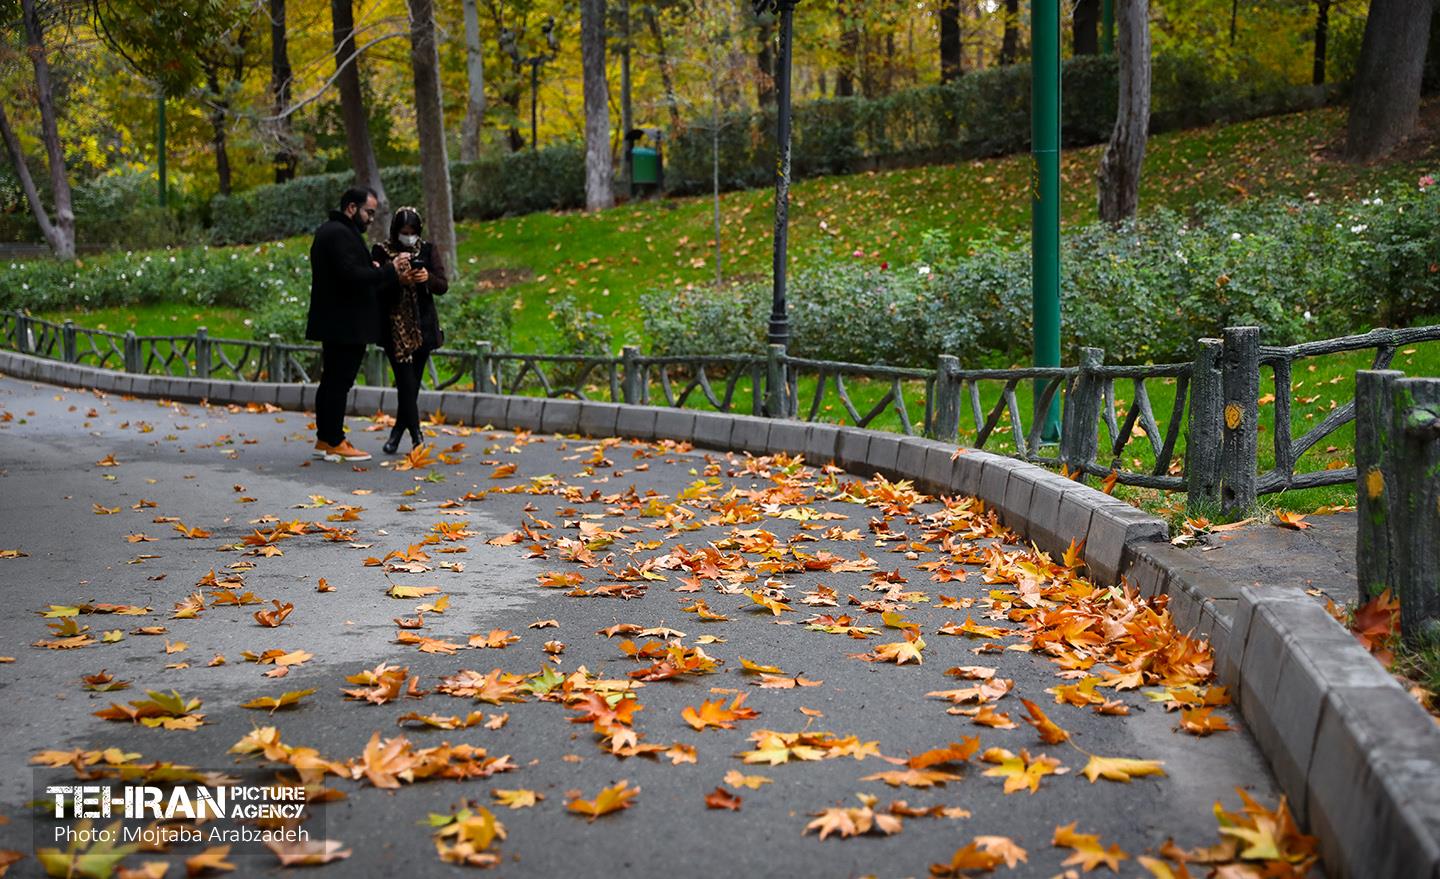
342, 452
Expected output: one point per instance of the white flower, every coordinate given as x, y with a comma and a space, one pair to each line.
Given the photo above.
924, 270
24, 286
1379, 201
1358, 229
1308, 315
172, 259
1180, 256
1234, 236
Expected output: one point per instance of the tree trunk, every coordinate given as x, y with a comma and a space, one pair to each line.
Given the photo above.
1085, 28
1386, 96
1322, 38
849, 51
352, 110
765, 65
951, 41
667, 79
475, 79
430, 127
281, 75
1125, 154
1010, 42
32, 194
217, 125
599, 191
61, 237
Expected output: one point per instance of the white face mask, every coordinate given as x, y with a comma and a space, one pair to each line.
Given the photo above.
409, 240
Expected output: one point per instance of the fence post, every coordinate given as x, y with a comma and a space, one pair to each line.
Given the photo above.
374, 367
276, 353
776, 390
633, 387
132, 352
946, 422
202, 352
1240, 386
1375, 487
24, 342
1202, 439
1080, 421
1416, 452
68, 345
484, 379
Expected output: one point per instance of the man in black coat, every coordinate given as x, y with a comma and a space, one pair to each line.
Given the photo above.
346, 291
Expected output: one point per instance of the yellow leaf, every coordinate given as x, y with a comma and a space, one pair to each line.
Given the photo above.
611, 799
1120, 768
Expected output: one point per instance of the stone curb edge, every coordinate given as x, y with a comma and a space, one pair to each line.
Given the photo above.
1048, 508
1358, 759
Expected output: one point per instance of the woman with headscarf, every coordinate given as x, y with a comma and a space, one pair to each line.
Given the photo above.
412, 328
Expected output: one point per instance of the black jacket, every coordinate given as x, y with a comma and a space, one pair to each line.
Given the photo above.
346, 289
425, 294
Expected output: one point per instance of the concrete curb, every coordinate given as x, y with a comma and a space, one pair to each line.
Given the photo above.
1357, 757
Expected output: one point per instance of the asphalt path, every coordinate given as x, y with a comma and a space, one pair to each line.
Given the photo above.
222, 469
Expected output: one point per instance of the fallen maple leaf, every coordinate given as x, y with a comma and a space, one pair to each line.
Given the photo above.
1120, 768
1293, 521
611, 799
720, 798
717, 715
516, 799
1050, 732
308, 853
982, 853
275, 703
1089, 854
1021, 771
736, 778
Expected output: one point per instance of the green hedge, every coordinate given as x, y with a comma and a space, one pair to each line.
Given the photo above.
980, 114
251, 277
1143, 292
516, 183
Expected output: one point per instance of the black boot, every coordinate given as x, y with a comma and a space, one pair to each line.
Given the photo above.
415, 437
393, 443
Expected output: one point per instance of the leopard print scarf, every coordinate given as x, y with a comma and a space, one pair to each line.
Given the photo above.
405, 336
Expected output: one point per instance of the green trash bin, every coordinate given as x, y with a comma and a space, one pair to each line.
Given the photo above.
644, 165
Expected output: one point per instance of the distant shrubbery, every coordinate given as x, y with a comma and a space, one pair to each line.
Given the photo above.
1143, 292
516, 183
249, 277
980, 114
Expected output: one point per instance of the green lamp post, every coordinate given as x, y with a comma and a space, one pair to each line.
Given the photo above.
1045, 199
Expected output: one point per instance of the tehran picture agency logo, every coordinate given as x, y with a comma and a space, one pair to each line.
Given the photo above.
194, 803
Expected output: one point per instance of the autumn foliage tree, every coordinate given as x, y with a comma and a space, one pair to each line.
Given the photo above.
59, 227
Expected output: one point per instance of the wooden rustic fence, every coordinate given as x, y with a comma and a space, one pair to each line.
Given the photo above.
1214, 408
1397, 474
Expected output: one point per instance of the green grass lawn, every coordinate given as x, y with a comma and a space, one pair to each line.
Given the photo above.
160, 319
607, 260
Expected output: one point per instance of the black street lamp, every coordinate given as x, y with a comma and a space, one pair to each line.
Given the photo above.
779, 333
509, 41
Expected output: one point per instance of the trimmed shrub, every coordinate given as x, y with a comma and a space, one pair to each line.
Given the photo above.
516, 183
1144, 291
243, 278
